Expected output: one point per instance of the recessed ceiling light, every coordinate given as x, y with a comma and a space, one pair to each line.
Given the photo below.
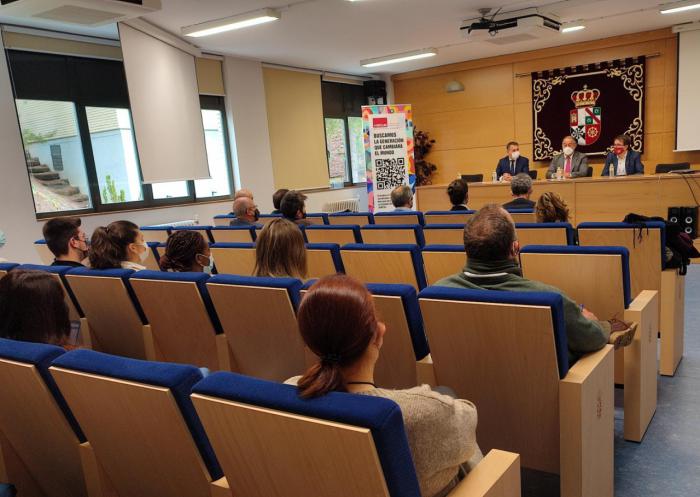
399, 57
678, 7
230, 23
570, 28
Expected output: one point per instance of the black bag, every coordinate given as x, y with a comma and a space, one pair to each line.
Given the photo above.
679, 246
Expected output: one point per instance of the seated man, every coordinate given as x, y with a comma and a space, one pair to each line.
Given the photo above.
492, 264
66, 241
521, 188
293, 207
622, 161
244, 193
246, 212
277, 200
572, 163
402, 198
512, 164
458, 191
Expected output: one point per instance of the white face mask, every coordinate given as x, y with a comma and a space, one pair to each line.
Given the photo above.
568, 150
515, 155
144, 255
210, 267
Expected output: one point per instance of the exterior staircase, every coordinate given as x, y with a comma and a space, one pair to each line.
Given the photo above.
53, 181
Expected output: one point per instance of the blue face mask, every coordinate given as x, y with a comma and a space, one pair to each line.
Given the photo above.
3, 238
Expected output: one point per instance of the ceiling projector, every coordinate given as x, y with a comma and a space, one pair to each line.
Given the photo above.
510, 27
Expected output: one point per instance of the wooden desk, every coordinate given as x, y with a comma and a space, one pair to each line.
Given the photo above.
588, 199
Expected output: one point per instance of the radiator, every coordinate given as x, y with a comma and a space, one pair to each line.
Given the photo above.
349, 204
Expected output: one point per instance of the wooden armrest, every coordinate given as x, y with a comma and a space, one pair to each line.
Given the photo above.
497, 475
425, 373
220, 488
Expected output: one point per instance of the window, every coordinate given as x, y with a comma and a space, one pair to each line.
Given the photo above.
79, 141
342, 110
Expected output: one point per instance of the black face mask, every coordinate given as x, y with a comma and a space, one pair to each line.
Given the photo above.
257, 214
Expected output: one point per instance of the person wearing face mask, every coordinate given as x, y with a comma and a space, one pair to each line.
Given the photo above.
622, 161
492, 251
572, 163
3, 240
293, 207
246, 212
118, 245
66, 240
187, 251
512, 164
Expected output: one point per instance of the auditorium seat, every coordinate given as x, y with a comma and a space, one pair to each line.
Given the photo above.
151, 261
5, 267
258, 317
507, 353
203, 230
317, 218
266, 218
393, 233
156, 233
399, 217
404, 342
667, 168
59, 273
358, 218
223, 219
233, 234
184, 325
448, 217
340, 234
141, 423
522, 215
45, 254
444, 234
40, 441
384, 263
272, 443
442, 261
544, 234
115, 320
647, 248
234, 258
578, 272
323, 259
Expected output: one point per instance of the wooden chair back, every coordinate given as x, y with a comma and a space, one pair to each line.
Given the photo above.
444, 234
45, 254
399, 218
384, 264
223, 219
159, 235
233, 235
323, 259
448, 217
201, 229
544, 234
523, 217
356, 218
341, 235
390, 234
442, 261
234, 258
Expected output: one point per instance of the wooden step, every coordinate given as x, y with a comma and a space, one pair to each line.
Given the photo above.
39, 169
46, 176
56, 183
68, 191
80, 197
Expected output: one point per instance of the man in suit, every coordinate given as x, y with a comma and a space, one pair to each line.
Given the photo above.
402, 198
512, 164
246, 212
521, 188
622, 161
573, 164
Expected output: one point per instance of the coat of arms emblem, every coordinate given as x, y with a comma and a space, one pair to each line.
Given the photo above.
584, 120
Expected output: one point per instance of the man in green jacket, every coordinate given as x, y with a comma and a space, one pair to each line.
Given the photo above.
492, 264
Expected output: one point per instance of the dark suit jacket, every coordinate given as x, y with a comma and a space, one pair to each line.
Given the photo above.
522, 165
519, 203
579, 165
459, 208
633, 163
240, 222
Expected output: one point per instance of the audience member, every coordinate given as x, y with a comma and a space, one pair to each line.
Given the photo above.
458, 191
246, 212
119, 245
551, 208
622, 161
402, 198
512, 164
277, 200
280, 251
293, 207
66, 240
521, 188
338, 322
187, 251
33, 309
492, 264
243, 192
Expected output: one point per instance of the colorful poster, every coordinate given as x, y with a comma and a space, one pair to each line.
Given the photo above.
388, 135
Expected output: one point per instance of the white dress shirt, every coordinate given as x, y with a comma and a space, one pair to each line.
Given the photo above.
620, 169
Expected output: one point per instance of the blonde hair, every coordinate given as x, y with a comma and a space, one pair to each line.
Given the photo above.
280, 251
551, 208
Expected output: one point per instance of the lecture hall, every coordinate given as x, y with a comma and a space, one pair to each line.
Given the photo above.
349, 248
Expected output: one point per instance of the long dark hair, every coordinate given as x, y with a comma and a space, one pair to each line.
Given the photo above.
108, 245
551, 208
337, 321
181, 251
33, 308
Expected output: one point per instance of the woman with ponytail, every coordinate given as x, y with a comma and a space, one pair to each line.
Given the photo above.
338, 322
118, 245
187, 251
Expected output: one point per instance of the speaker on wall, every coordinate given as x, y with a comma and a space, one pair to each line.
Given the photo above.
674, 214
375, 92
686, 217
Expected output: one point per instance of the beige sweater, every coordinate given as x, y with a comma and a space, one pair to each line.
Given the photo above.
441, 433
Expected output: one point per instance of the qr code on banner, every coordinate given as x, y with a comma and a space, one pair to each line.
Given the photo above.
389, 173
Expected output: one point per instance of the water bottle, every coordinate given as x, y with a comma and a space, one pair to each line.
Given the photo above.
494, 177
560, 173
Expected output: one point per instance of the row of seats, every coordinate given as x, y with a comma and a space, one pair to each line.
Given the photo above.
87, 424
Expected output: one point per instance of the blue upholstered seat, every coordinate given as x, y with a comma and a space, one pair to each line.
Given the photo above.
570, 249
335, 227
419, 215
567, 226
413, 250
547, 299
381, 416
448, 213
158, 228
233, 245
7, 266
322, 215
416, 228
619, 226
41, 356
409, 299
292, 285
369, 215
334, 250
521, 211
178, 378
214, 229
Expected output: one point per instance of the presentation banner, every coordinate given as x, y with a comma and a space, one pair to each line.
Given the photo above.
388, 136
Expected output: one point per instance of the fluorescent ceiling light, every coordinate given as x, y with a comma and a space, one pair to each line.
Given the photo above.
230, 23
399, 57
681, 7
570, 28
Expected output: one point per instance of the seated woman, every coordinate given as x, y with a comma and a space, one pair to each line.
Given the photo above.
458, 191
33, 309
187, 251
280, 251
338, 322
551, 208
118, 245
